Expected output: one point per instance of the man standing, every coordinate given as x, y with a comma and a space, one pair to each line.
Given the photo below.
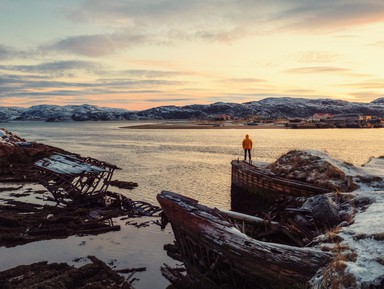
247, 146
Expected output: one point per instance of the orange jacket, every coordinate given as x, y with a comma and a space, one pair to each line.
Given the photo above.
247, 143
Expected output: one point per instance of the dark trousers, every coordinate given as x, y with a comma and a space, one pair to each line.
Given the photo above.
249, 154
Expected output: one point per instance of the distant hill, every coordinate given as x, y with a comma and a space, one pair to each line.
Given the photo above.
267, 108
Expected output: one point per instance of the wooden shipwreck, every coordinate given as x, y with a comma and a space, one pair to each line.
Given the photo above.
66, 175
255, 180
69, 177
268, 239
224, 247
253, 187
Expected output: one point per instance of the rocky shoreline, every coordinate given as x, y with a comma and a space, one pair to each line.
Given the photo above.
17, 157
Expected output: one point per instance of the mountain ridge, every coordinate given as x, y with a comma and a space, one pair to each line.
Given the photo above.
272, 107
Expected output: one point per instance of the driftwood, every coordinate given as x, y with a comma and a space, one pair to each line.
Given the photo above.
173, 252
131, 270
21, 223
178, 279
209, 242
62, 276
123, 184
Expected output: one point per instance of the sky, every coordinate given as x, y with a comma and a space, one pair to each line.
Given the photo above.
138, 54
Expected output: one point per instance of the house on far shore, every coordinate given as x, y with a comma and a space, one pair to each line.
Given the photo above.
346, 120
342, 120
319, 116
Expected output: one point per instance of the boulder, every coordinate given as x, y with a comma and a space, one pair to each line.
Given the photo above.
324, 210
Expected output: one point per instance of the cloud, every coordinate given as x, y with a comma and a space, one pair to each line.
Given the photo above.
169, 100
317, 69
16, 83
226, 15
142, 73
301, 91
331, 14
57, 68
137, 13
96, 45
33, 85
318, 57
171, 20
367, 84
243, 80
379, 43
367, 96
7, 52
132, 83
134, 23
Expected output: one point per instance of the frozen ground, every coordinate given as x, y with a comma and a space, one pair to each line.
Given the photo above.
360, 260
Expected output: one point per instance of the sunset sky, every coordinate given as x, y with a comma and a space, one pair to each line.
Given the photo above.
137, 54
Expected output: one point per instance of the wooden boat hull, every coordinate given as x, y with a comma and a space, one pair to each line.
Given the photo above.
214, 247
254, 189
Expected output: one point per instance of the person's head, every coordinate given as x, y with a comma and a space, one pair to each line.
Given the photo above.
247, 136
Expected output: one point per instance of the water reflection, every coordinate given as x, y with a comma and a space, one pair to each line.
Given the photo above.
131, 247
195, 163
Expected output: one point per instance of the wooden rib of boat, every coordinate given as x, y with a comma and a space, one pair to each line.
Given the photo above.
211, 242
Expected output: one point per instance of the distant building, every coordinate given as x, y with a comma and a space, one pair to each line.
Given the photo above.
346, 120
223, 117
321, 116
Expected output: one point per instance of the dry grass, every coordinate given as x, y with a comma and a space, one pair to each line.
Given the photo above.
302, 166
335, 276
333, 235
378, 237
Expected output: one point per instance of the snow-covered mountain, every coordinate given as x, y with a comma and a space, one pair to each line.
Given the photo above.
61, 113
8, 113
266, 108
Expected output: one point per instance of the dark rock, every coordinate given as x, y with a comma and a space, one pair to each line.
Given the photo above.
324, 210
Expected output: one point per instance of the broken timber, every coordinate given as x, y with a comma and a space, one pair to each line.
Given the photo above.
219, 251
96, 274
66, 175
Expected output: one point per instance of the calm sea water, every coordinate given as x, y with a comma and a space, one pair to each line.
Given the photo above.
195, 163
